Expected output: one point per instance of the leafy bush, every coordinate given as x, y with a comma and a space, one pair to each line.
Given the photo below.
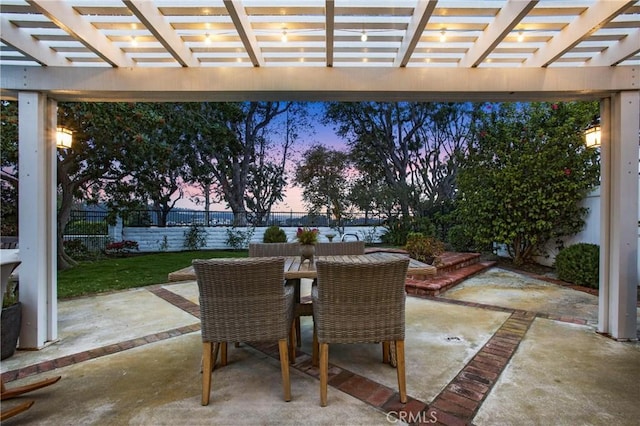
76, 249
460, 238
238, 239
399, 229
579, 264
423, 248
121, 247
194, 237
274, 234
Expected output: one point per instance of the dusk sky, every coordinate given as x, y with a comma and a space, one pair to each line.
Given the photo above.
320, 134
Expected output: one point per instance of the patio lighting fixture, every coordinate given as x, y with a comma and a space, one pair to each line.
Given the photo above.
207, 38
363, 37
592, 134
443, 35
64, 138
520, 37
134, 42
284, 36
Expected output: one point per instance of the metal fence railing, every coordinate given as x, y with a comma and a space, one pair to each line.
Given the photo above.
142, 218
89, 227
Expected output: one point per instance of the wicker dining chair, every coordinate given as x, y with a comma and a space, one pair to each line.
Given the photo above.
274, 249
360, 303
340, 248
244, 300
285, 249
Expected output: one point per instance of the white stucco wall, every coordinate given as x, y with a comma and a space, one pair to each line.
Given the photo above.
152, 239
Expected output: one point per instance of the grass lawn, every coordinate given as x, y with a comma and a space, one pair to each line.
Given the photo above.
126, 272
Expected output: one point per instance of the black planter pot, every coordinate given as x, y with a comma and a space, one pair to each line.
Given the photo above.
11, 321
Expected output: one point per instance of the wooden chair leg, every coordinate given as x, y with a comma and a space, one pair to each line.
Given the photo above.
292, 344
283, 347
324, 373
385, 352
402, 381
207, 370
223, 354
298, 333
6, 414
314, 353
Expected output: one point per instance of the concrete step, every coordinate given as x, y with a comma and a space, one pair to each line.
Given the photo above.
436, 285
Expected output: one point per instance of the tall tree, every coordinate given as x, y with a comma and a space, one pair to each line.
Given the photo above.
103, 136
382, 138
523, 179
229, 154
154, 163
323, 176
446, 134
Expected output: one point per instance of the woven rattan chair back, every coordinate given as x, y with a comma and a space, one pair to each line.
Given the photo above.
340, 248
360, 302
274, 249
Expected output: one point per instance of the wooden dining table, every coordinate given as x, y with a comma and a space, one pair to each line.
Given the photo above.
294, 268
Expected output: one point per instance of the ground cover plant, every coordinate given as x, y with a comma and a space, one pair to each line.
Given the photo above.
109, 274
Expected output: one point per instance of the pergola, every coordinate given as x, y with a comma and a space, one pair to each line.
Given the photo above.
315, 50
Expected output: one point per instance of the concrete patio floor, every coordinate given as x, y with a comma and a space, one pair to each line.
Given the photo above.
500, 348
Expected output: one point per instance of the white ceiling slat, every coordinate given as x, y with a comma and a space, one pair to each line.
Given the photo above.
329, 29
421, 16
624, 49
584, 25
151, 18
506, 20
39, 52
63, 15
243, 26
562, 33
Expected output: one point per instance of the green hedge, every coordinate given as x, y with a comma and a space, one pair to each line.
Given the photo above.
579, 264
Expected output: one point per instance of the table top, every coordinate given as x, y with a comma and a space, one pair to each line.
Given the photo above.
294, 269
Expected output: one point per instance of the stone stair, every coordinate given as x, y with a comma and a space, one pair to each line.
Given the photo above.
453, 268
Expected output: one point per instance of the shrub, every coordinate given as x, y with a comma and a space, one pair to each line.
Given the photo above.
76, 249
307, 235
274, 234
579, 264
121, 247
194, 237
237, 238
423, 248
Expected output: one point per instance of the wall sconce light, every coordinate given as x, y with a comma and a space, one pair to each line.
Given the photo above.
592, 135
64, 138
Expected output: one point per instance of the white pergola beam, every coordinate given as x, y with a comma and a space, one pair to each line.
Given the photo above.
151, 18
506, 20
319, 83
243, 26
617, 53
65, 17
329, 14
421, 16
13, 36
594, 18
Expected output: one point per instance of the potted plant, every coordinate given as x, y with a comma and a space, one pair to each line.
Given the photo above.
307, 238
11, 320
423, 248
